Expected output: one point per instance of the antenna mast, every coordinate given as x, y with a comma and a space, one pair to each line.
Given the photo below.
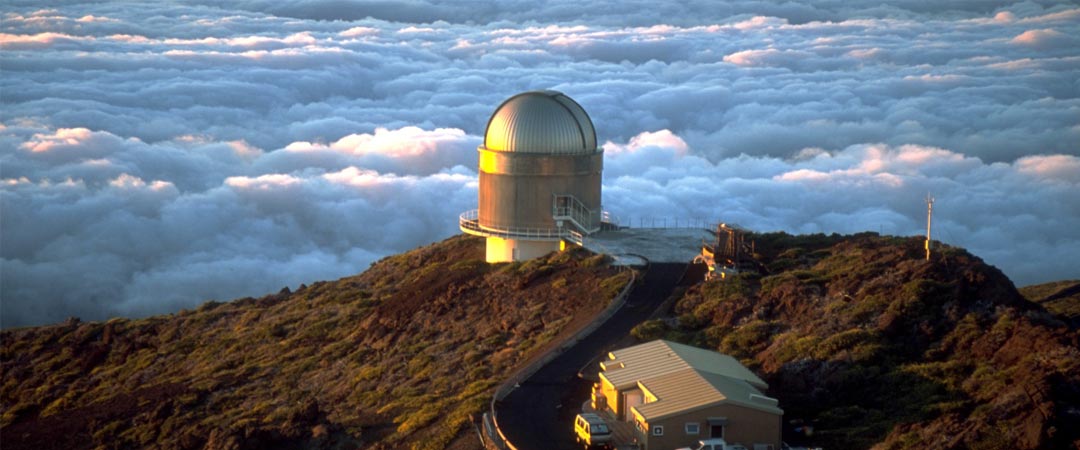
929, 215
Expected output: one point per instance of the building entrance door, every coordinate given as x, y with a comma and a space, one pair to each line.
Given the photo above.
716, 426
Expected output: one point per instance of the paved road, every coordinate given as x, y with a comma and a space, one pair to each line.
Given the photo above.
539, 414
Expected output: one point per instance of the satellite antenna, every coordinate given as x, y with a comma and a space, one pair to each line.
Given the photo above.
929, 215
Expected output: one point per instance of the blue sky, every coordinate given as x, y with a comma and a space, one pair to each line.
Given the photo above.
154, 156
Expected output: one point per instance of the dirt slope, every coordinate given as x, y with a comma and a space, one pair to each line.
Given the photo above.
399, 356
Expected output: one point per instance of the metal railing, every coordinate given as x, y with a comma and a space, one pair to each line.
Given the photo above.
469, 222
663, 222
575, 237
565, 209
568, 208
607, 216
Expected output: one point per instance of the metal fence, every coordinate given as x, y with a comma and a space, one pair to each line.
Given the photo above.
662, 222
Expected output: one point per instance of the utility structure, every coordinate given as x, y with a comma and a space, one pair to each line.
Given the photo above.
929, 216
540, 173
726, 255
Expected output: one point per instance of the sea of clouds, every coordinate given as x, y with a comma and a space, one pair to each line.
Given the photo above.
156, 155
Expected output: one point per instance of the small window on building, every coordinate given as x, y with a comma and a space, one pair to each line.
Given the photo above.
658, 430
693, 428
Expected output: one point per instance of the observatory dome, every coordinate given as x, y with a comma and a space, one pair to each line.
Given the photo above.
544, 122
539, 178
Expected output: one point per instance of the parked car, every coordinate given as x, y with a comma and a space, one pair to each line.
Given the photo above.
592, 431
714, 444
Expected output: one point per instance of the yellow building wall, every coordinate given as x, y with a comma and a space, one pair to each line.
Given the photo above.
612, 395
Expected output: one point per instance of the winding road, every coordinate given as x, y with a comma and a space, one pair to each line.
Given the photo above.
539, 414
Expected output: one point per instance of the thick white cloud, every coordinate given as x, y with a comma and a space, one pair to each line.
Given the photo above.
157, 155
128, 245
408, 150
1023, 217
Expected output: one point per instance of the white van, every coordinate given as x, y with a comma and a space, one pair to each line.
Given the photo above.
592, 431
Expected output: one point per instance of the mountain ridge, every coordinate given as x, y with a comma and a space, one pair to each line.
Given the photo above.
859, 337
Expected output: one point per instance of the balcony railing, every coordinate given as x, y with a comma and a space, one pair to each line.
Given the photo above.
469, 222
574, 222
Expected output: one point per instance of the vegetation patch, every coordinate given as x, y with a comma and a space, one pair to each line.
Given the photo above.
872, 346
401, 356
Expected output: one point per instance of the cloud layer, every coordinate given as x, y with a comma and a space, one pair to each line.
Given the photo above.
155, 156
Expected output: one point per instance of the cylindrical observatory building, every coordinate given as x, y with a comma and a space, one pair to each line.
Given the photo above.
540, 174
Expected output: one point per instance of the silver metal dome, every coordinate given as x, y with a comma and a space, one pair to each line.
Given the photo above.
545, 122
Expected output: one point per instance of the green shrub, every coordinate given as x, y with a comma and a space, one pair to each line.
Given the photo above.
650, 330
748, 339
843, 341
769, 283
613, 285
413, 421
595, 261
367, 373
809, 276
791, 347
791, 253
781, 265
733, 287
713, 335
469, 265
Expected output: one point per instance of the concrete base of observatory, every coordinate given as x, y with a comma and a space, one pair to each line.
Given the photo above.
507, 250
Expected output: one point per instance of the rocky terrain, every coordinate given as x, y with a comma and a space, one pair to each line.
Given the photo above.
1059, 297
400, 356
867, 345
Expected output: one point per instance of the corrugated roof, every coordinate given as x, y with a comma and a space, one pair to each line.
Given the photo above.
690, 389
684, 378
661, 357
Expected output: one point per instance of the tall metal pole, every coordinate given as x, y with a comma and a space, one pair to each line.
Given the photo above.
929, 216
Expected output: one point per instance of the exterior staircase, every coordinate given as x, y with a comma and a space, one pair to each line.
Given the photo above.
567, 209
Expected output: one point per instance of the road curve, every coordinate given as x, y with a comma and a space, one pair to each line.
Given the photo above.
539, 414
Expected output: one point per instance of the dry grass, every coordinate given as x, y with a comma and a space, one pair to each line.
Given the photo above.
400, 356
